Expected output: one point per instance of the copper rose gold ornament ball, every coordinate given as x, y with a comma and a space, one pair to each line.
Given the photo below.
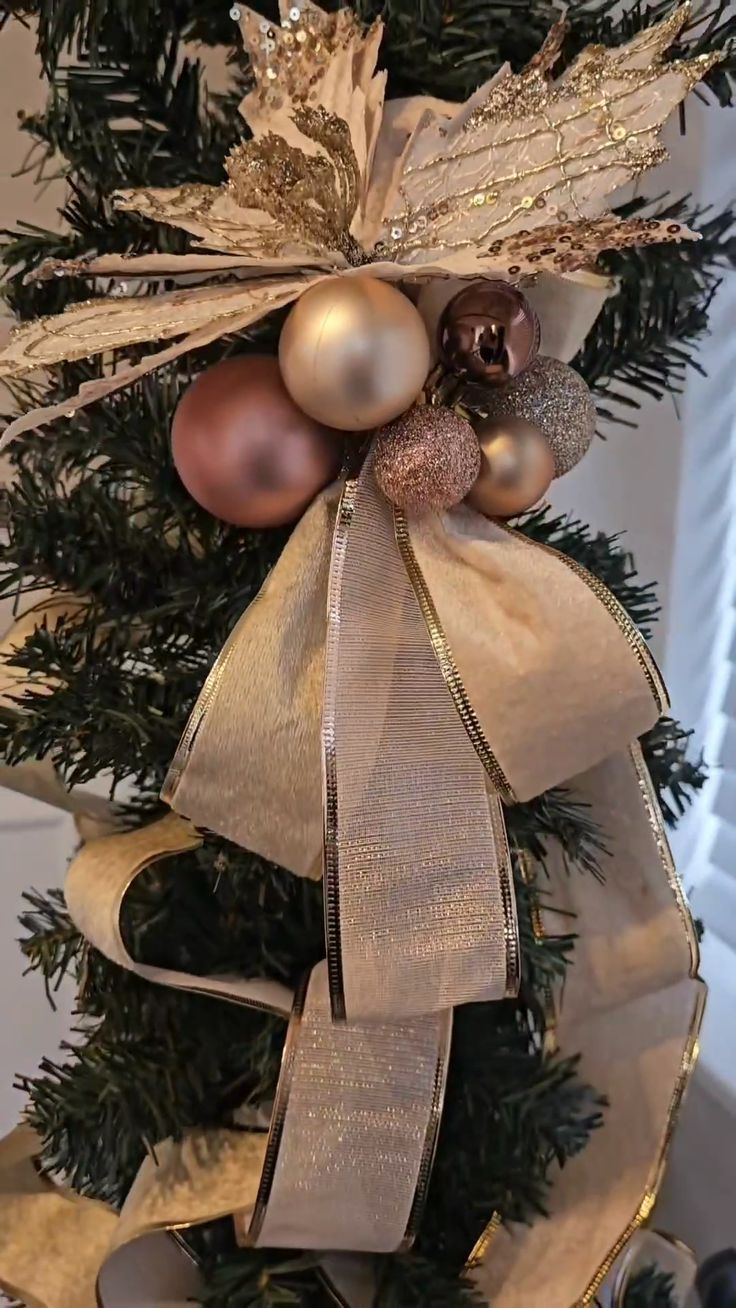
354, 352
489, 332
243, 449
427, 460
517, 467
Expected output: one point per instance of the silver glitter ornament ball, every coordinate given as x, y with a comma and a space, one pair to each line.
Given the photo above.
553, 397
426, 460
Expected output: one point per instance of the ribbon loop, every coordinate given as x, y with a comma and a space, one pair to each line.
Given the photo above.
320, 1179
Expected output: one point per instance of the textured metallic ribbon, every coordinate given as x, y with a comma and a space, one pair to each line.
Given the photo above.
632, 1009
460, 664
352, 1175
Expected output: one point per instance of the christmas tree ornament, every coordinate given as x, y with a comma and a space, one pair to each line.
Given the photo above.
427, 460
552, 396
243, 449
331, 181
354, 353
489, 332
400, 681
516, 470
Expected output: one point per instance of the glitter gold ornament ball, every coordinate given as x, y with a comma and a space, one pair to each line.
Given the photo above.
427, 460
354, 352
516, 467
553, 397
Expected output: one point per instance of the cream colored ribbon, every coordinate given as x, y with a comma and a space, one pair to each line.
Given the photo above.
352, 1176
632, 1008
380, 1086
460, 663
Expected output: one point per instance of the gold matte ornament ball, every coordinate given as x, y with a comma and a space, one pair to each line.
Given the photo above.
552, 396
354, 353
517, 467
427, 460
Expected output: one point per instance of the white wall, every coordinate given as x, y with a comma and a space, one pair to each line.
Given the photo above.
669, 486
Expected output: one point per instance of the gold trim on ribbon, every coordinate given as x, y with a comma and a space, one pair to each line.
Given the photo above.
468, 717
688, 1062
331, 889
278, 1114
196, 718
483, 1243
692, 1048
649, 1198
628, 629
433, 1130
446, 661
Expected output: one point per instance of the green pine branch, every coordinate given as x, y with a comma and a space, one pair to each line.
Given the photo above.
648, 331
651, 1288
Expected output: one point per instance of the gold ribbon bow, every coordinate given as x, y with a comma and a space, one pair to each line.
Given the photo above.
459, 665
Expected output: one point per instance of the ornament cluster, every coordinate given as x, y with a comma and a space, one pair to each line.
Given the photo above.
256, 438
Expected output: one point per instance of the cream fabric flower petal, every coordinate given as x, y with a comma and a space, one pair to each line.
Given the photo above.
153, 267
97, 326
212, 215
535, 152
201, 319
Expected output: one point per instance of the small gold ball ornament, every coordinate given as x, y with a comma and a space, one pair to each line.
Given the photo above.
517, 467
427, 460
354, 352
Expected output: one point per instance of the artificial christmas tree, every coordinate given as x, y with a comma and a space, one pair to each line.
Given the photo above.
151, 587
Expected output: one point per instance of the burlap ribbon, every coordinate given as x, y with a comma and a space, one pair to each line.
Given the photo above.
459, 664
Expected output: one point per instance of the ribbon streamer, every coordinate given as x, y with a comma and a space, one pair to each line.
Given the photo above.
352, 1176
419, 900
560, 683
633, 1006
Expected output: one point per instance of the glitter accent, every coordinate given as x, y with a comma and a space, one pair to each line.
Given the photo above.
310, 196
553, 397
531, 136
427, 460
534, 137
359, 1106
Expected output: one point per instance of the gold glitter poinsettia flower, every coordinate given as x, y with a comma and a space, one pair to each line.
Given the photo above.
334, 181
